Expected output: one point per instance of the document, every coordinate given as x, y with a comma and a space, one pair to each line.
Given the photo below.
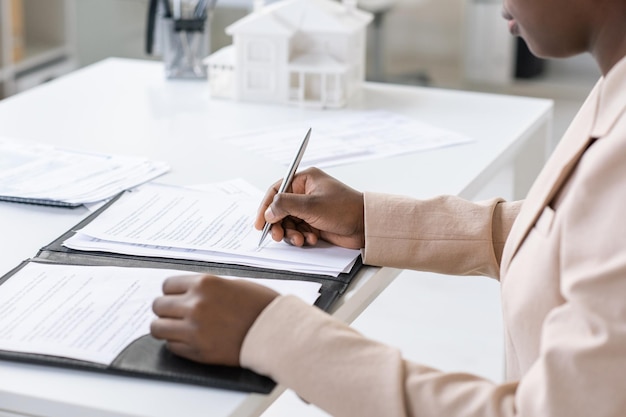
42, 174
91, 313
181, 223
348, 136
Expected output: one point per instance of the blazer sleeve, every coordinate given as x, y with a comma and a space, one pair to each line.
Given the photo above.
446, 234
331, 365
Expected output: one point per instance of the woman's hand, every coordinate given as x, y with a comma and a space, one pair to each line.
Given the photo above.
316, 206
205, 318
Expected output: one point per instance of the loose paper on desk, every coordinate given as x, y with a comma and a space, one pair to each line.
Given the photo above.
91, 313
349, 136
37, 173
182, 223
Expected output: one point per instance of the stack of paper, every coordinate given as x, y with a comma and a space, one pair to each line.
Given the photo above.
42, 174
91, 313
347, 137
213, 226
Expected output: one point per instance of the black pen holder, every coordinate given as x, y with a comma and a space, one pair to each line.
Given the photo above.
185, 43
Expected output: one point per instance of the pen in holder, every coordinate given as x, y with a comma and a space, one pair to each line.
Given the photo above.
183, 42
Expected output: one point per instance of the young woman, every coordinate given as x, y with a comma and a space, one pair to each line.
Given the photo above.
560, 256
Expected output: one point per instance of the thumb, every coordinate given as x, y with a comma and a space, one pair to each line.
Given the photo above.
287, 204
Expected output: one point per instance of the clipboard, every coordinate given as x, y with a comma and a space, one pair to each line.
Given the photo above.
147, 357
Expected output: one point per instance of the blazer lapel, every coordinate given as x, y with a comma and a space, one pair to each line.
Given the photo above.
597, 116
553, 175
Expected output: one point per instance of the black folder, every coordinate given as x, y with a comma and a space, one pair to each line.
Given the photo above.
147, 357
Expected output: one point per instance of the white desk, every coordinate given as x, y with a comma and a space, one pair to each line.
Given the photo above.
124, 106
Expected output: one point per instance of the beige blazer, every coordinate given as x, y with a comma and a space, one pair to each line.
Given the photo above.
561, 260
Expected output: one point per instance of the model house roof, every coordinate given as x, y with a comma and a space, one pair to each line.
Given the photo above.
289, 16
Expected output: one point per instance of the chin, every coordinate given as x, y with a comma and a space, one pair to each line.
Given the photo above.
540, 54
538, 51
550, 51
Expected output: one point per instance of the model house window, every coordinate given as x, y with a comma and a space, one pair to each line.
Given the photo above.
259, 51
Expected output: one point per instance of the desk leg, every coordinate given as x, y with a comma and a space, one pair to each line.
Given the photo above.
364, 289
532, 157
7, 414
256, 404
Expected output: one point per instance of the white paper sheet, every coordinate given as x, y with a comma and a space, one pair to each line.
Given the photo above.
347, 136
91, 313
40, 172
175, 222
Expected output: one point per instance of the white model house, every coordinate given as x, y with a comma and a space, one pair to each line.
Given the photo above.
300, 52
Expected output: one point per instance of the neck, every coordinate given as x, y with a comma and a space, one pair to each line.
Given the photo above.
608, 46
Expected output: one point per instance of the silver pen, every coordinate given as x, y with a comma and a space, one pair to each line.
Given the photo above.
291, 172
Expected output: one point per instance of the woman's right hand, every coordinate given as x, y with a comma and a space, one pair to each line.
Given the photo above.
315, 206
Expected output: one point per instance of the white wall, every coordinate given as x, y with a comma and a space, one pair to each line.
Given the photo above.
418, 36
421, 34
110, 28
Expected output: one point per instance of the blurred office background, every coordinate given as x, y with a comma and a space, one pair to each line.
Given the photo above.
459, 44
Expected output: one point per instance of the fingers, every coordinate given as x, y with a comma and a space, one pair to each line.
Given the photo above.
299, 233
295, 232
302, 184
209, 321
311, 235
286, 214
178, 284
171, 306
184, 350
312, 203
181, 348
169, 329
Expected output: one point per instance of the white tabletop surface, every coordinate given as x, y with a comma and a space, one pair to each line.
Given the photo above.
127, 106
